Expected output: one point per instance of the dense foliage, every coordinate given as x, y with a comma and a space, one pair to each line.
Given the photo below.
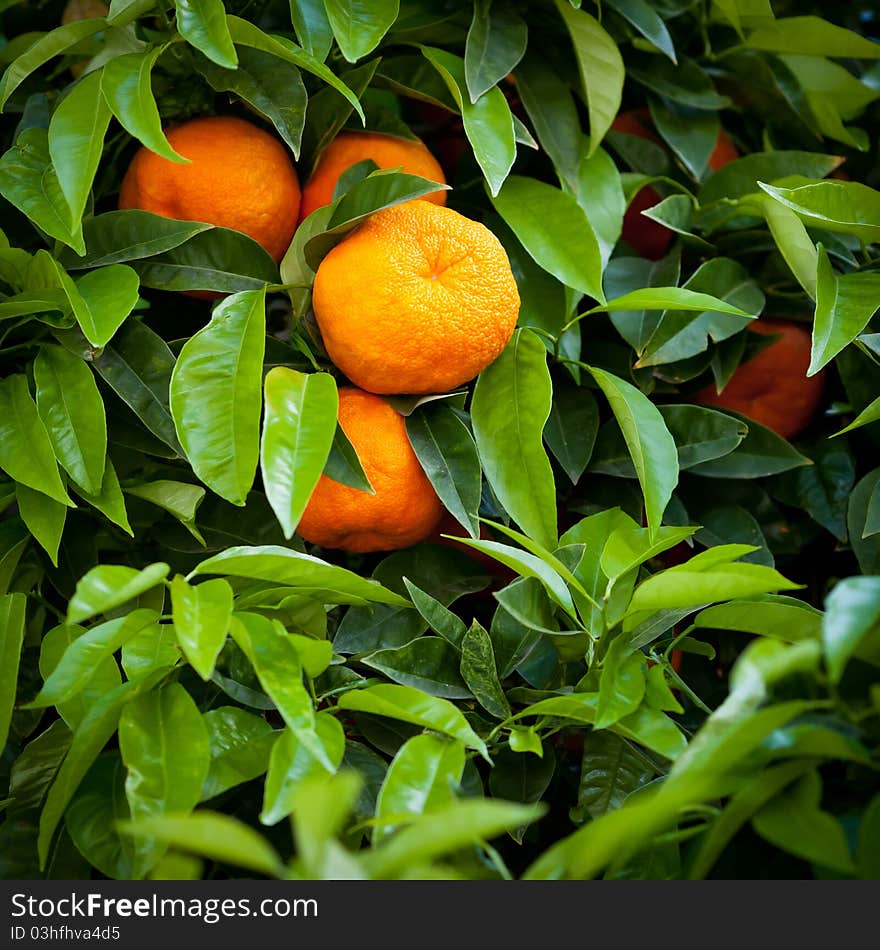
661, 662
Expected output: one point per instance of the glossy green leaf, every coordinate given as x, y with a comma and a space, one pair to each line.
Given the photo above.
601, 68
298, 430
359, 26
422, 777
410, 705
762, 452
651, 447
240, 745
202, 23
76, 140
44, 518
429, 664
811, 36
479, 670
621, 684
611, 769
488, 122
570, 431
510, 407
495, 44
838, 206
216, 395
72, 411
553, 228
109, 586
201, 617
852, 615
293, 763
448, 454
12, 621
26, 453
312, 26
647, 21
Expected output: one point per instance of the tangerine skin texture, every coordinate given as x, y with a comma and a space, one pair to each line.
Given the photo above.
418, 299
649, 238
405, 508
240, 177
773, 387
387, 151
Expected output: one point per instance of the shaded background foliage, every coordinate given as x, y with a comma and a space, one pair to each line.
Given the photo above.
447, 695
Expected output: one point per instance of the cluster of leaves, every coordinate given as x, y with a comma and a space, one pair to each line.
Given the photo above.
177, 670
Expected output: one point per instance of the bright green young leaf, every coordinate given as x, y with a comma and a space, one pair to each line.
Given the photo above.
202, 23
109, 586
510, 407
12, 621
44, 518
358, 25
852, 619
216, 395
298, 430
201, 615
240, 745
479, 671
848, 207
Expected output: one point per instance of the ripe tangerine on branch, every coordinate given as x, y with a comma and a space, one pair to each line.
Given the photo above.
405, 508
387, 151
238, 177
418, 299
773, 387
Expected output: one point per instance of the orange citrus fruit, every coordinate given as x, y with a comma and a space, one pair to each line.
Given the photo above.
418, 299
773, 387
387, 151
239, 177
649, 238
405, 508
83, 10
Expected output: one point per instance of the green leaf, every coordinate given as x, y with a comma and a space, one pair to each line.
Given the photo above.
12, 620
152, 648
429, 664
422, 778
411, 705
69, 672
101, 300
570, 431
270, 85
647, 21
109, 586
740, 178
762, 452
601, 68
448, 830
438, 617
794, 243
26, 453
164, 745
90, 737
298, 430
555, 231
216, 395
343, 464
692, 138
650, 444
246, 34
201, 617
29, 182
285, 566
488, 122
50, 44
495, 44
668, 298
72, 410
599, 192
479, 671
706, 578
611, 769
137, 365
127, 88
76, 140
215, 836
837, 206
202, 23
852, 614
774, 616
240, 744
621, 684
359, 26
293, 763
510, 407
447, 453
277, 664
179, 499
794, 822
312, 27
109, 500
44, 518
811, 36
844, 305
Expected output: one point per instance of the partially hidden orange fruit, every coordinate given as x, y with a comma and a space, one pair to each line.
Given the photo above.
83, 10
773, 387
418, 299
405, 508
387, 151
239, 177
